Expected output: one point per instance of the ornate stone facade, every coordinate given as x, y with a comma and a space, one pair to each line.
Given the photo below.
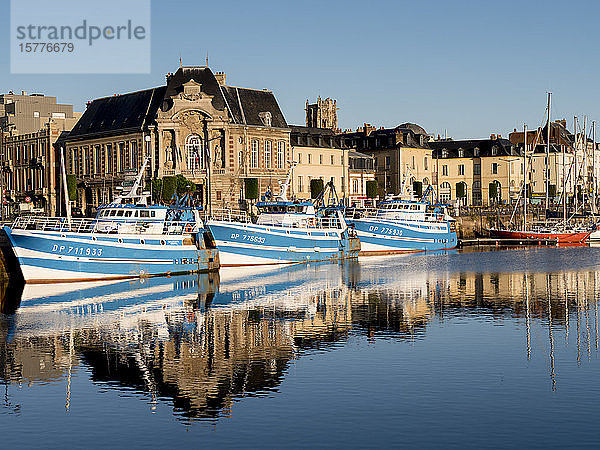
211, 133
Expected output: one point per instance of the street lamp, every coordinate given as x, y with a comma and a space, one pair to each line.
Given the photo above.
147, 140
208, 166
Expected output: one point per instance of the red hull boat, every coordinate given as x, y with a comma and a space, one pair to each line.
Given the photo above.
560, 237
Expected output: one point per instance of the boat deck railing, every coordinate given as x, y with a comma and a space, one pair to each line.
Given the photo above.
405, 216
226, 215
105, 226
230, 215
329, 222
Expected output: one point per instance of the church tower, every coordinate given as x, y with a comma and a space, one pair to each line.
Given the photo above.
322, 114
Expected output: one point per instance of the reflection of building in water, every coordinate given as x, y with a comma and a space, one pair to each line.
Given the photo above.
206, 350
506, 292
34, 359
401, 306
201, 356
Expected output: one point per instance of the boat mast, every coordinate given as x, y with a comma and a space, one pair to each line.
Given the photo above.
575, 173
584, 168
564, 183
524, 177
283, 186
65, 187
546, 178
594, 180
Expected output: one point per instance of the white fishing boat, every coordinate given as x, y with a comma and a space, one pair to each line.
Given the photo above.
285, 232
129, 237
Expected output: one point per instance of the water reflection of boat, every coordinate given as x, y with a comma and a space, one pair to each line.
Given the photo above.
48, 308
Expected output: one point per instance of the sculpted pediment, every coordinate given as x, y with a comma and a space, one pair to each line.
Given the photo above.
191, 118
192, 91
190, 105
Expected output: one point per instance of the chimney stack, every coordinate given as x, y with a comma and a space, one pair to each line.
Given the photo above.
221, 78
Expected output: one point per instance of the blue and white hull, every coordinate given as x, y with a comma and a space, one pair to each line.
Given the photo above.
381, 236
242, 244
49, 256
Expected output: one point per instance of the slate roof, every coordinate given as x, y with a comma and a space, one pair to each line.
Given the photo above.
311, 130
417, 129
201, 75
245, 105
315, 137
134, 111
412, 136
564, 136
355, 154
503, 146
118, 114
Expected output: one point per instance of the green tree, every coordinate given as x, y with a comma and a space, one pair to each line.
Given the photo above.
316, 187
169, 186
156, 185
417, 188
72, 187
493, 190
183, 185
371, 186
251, 188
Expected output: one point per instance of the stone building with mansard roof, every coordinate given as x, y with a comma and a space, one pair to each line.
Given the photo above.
195, 125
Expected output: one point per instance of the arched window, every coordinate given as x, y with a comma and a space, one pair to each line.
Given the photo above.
193, 152
254, 154
280, 154
461, 189
445, 192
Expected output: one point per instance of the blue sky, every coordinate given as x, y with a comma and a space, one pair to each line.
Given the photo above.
470, 67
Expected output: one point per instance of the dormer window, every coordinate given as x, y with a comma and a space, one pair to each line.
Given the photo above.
265, 117
444, 153
476, 151
494, 150
461, 153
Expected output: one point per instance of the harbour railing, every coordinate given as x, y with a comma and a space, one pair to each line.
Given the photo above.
105, 226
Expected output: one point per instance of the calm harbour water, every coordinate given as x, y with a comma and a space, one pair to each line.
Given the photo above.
473, 349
